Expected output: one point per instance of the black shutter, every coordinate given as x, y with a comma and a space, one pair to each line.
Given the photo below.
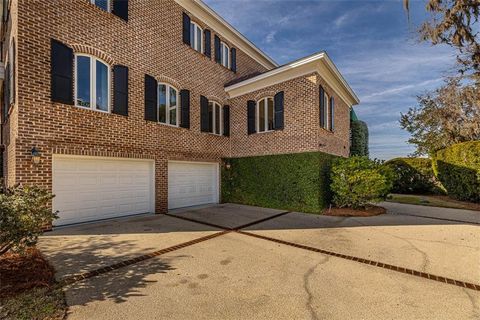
322, 107
185, 109
204, 123
208, 43
151, 91
186, 29
217, 49
251, 106
278, 106
13, 64
332, 114
233, 57
120, 90
6, 98
120, 9
226, 121
61, 68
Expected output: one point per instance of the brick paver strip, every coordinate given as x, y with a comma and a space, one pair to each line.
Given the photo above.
462, 284
121, 264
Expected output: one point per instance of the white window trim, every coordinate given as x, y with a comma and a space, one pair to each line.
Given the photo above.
109, 5
224, 46
93, 83
214, 117
257, 115
168, 108
195, 37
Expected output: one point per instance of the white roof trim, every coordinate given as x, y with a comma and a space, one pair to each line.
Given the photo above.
319, 62
205, 14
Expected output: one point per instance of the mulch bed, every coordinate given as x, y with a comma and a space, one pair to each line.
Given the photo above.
21, 273
349, 212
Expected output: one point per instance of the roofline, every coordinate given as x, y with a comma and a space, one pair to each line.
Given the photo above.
207, 15
315, 62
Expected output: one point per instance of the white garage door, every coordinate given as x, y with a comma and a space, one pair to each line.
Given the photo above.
92, 188
192, 183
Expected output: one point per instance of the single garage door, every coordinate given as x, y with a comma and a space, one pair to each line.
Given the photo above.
192, 183
93, 188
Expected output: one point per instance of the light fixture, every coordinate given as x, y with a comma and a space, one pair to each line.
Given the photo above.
228, 165
35, 156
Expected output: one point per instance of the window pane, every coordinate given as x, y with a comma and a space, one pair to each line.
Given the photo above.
225, 57
162, 103
199, 39
261, 116
271, 117
192, 35
173, 106
210, 116
102, 86
102, 4
83, 81
217, 119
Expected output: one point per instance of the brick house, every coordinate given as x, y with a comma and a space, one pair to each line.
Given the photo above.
134, 111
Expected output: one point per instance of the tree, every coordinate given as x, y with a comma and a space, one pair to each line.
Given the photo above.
455, 23
448, 115
24, 212
359, 138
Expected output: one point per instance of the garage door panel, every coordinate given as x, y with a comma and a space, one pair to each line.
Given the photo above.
192, 184
90, 188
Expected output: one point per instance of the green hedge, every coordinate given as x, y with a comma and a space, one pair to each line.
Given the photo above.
359, 138
295, 182
458, 168
414, 176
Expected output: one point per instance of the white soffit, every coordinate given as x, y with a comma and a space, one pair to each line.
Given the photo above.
206, 15
319, 62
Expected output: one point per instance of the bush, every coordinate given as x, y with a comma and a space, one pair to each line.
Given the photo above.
358, 181
24, 212
296, 182
458, 168
359, 138
413, 176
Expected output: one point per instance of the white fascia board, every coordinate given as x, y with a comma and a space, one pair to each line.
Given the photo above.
206, 15
319, 63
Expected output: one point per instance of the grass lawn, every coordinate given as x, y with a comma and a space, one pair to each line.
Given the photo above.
433, 201
28, 288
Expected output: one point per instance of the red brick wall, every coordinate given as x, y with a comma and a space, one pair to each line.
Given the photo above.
302, 131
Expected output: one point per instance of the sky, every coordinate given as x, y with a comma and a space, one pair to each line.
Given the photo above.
372, 43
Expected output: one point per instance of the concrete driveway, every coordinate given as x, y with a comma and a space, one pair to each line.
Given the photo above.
288, 266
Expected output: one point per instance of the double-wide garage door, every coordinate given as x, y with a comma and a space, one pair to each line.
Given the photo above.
94, 188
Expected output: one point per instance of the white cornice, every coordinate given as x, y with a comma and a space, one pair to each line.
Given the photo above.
201, 11
319, 62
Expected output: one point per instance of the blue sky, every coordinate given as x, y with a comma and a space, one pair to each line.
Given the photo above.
371, 42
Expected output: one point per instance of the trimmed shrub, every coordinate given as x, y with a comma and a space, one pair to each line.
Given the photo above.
359, 181
296, 182
24, 212
413, 176
458, 168
358, 138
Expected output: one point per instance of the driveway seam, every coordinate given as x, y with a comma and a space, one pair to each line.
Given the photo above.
89, 274
444, 219
378, 264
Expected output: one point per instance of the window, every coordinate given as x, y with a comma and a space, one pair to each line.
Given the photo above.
224, 55
167, 104
196, 37
265, 115
326, 102
92, 83
215, 118
102, 4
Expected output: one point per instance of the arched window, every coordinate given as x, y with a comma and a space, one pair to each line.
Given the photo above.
215, 117
167, 104
92, 83
224, 55
196, 37
265, 115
